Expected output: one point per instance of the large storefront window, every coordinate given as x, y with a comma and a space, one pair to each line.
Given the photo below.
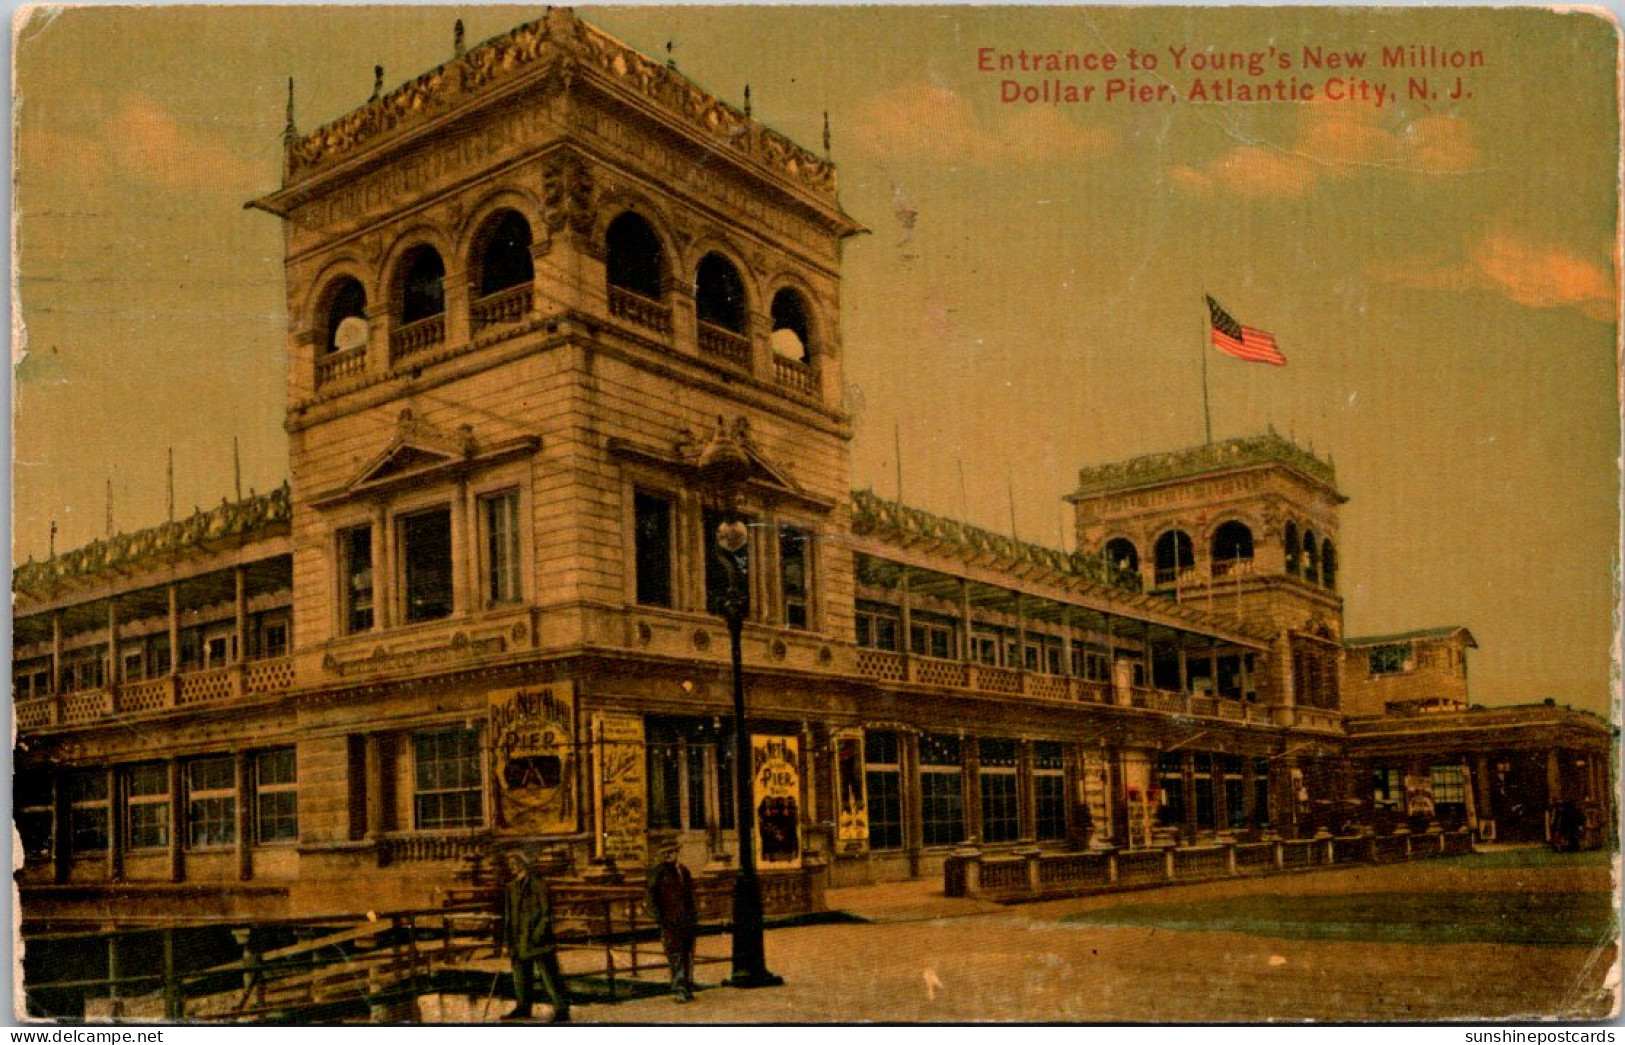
690, 773
1001, 810
884, 779
942, 800
34, 796
1171, 779
1049, 791
1203, 789
1235, 791
1261, 792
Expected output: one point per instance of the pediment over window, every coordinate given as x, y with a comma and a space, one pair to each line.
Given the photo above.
725, 457
421, 452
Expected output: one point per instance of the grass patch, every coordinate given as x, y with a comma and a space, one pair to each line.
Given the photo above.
1558, 919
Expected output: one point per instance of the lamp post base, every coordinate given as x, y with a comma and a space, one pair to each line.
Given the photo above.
749, 956
755, 978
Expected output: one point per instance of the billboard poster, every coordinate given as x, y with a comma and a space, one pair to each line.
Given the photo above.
776, 796
852, 817
619, 775
533, 777
1418, 794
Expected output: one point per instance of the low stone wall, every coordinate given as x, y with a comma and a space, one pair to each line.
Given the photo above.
1034, 874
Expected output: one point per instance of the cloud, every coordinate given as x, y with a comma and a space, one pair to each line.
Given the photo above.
1533, 275
143, 140
927, 122
1332, 141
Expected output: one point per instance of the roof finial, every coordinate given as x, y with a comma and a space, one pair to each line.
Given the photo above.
288, 129
826, 134
457, 47
377, 82
747, 99
671, 63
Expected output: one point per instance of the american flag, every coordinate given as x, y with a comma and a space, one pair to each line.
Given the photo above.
1233, 339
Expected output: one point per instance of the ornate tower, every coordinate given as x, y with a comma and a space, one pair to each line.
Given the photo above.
1245, 527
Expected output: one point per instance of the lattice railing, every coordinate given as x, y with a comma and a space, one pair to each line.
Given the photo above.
998, 680
86, 705
31, 714
933, 672
202, 687
146, 695
505, 306
881, 664
1048, 687
635, 308
268, 676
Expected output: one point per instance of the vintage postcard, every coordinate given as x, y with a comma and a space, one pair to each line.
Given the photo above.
815, 514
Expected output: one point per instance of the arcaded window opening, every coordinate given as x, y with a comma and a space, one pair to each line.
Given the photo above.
1232, 545
423, 287
1328, 564
719, 294
792, 334
1291, 543
1311, 572
346, 299
1174, 554
1122, 554
505, 259
635, 260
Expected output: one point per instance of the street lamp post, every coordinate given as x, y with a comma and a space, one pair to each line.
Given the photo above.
749, 958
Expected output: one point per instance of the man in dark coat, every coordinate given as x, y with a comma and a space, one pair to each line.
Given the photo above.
671, 903
527, 924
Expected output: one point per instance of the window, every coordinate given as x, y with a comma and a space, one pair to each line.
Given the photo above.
793, 575
931, 636
426, 558
719, 294
499, 515
1203, 788
1261, 792
423, 288
217, 651
347, 299
271, 635
87, 814
685, 755
1049, 791
34, 795
1310, 554
1390, 660
635, 260
447, 784
722, 567
1328, 564
985, 643
1449, 785
1001, 816
1122, 554
942, 801
1235, 791
791, 337
1387, 789
877, 626
276, 796
1232, 547
883, 775
84, 670
32, 680
651, 529
355, 571
133, 666
211, 801
146, 814
1171, 778
505, 258
1290, 540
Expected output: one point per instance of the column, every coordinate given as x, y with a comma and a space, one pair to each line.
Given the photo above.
459, 292
464, 587
240, 653
383, 588
177, 823
970, 787
1066, 641
174, 594
115, 828
915, 811
1249, 790
1184, 671
1187, 779
113, 666
56, 651
964, 620
245, 819
1026, 802
906, 639
1554, 776
1021, 633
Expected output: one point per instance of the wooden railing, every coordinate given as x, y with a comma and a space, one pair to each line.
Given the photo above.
212, 685
1032, 873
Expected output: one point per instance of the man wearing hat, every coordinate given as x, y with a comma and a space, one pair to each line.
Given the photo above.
527, 922
671, 904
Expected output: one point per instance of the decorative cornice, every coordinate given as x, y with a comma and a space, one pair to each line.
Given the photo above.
565, 44
256, 516
1249, 451
875, 516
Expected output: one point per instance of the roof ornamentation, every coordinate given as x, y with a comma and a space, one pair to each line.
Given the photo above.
873, 515
563, 39
1270, 448
231, 520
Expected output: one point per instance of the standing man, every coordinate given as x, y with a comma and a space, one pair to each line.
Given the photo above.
527, 922
671, 902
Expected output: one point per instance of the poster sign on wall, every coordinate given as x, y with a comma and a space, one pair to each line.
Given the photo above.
618, 773
533, 770
1418, 794
852, 819
776, 795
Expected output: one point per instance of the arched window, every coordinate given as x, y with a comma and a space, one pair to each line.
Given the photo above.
792, 337
719, 294
635, 259
1328, 563
1174, 553
346, 299
1310, 573
1232, 544
423, 287
1122, 554
504, 253
1291, 543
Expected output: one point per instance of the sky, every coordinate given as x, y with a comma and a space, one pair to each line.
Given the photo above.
1439, 270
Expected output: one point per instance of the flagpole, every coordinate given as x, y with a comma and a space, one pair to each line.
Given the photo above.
1207, 412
